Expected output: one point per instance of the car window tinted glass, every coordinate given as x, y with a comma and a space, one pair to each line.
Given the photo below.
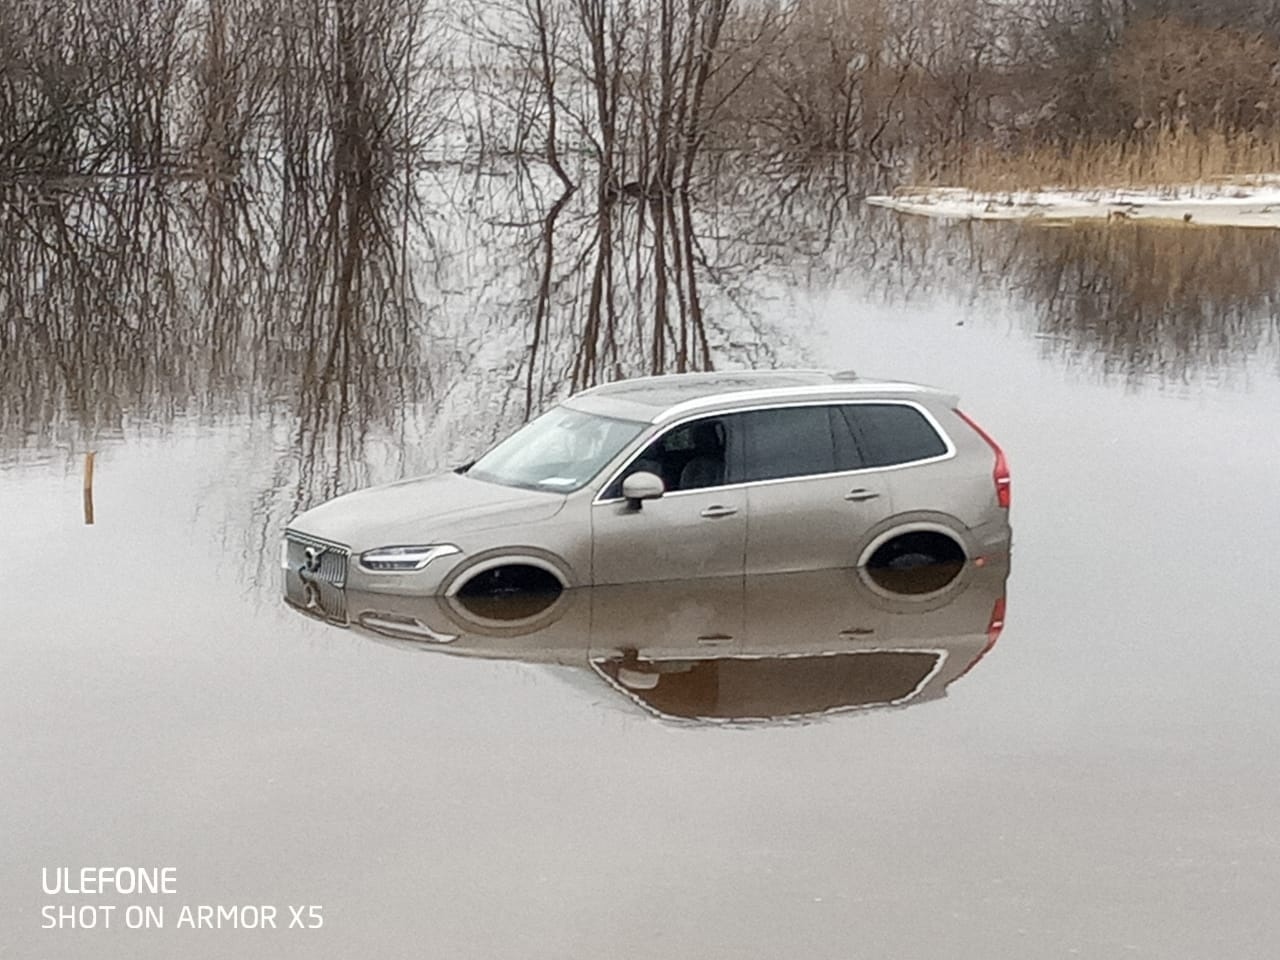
688, 457
849, 452
788, 442
892, 433
560, 451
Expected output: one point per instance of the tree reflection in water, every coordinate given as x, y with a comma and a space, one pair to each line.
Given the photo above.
1143, 302
377, 320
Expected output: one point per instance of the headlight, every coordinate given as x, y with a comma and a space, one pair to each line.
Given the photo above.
404, 559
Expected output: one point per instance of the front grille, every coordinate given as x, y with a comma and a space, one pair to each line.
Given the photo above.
333, 568
317, 560
315, 573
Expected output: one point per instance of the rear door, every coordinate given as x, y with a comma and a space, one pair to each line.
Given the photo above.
810, 503
903, 440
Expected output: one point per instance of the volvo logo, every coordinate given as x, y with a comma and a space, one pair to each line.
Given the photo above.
310, 569
311, 559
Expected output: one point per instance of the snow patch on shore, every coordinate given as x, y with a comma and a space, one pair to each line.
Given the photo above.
1243, 202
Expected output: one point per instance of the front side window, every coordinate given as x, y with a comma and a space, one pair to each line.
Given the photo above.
690, 456
560, 451
789, 442
892, 433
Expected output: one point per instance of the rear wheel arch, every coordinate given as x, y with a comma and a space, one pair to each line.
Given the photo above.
917, 521
920, 558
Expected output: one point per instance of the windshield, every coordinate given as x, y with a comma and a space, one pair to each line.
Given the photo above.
560, 451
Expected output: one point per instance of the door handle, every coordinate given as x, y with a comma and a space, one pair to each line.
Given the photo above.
718, 511
861, 494
857, 632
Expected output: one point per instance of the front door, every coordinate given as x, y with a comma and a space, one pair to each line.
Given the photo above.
681, 536
698, 528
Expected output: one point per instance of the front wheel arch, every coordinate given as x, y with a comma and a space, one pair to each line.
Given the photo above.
532, 560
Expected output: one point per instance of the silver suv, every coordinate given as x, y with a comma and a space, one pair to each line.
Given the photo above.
677, 478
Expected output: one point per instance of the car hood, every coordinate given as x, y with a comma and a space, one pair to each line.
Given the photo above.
424, 510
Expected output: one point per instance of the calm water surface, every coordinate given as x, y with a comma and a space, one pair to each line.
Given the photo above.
1103, 784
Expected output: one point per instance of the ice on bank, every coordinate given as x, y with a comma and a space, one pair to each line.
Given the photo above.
1243, 202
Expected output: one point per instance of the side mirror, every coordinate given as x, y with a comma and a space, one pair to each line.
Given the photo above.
641, 486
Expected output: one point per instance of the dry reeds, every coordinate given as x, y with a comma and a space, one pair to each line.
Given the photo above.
1164, 159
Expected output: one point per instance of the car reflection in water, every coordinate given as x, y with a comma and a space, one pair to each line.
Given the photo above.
779, 648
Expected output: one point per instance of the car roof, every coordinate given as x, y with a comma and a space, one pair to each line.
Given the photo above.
663, 398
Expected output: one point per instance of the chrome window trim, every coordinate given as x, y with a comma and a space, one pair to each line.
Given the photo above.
600, 500
856, 391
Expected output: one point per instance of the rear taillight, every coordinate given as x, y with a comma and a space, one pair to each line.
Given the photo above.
1001, 472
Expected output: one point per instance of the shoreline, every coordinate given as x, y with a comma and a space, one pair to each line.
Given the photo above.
1243, 202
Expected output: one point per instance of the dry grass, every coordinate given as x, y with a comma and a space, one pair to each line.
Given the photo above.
1165, 158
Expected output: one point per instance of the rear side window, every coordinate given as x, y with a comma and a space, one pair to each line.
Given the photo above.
891, 433
788, 442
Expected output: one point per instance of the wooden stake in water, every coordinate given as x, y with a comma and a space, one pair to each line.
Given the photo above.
88, 488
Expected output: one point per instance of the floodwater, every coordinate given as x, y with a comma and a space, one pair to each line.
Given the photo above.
1103, 783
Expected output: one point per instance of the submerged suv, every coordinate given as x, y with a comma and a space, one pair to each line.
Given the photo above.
677, 478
